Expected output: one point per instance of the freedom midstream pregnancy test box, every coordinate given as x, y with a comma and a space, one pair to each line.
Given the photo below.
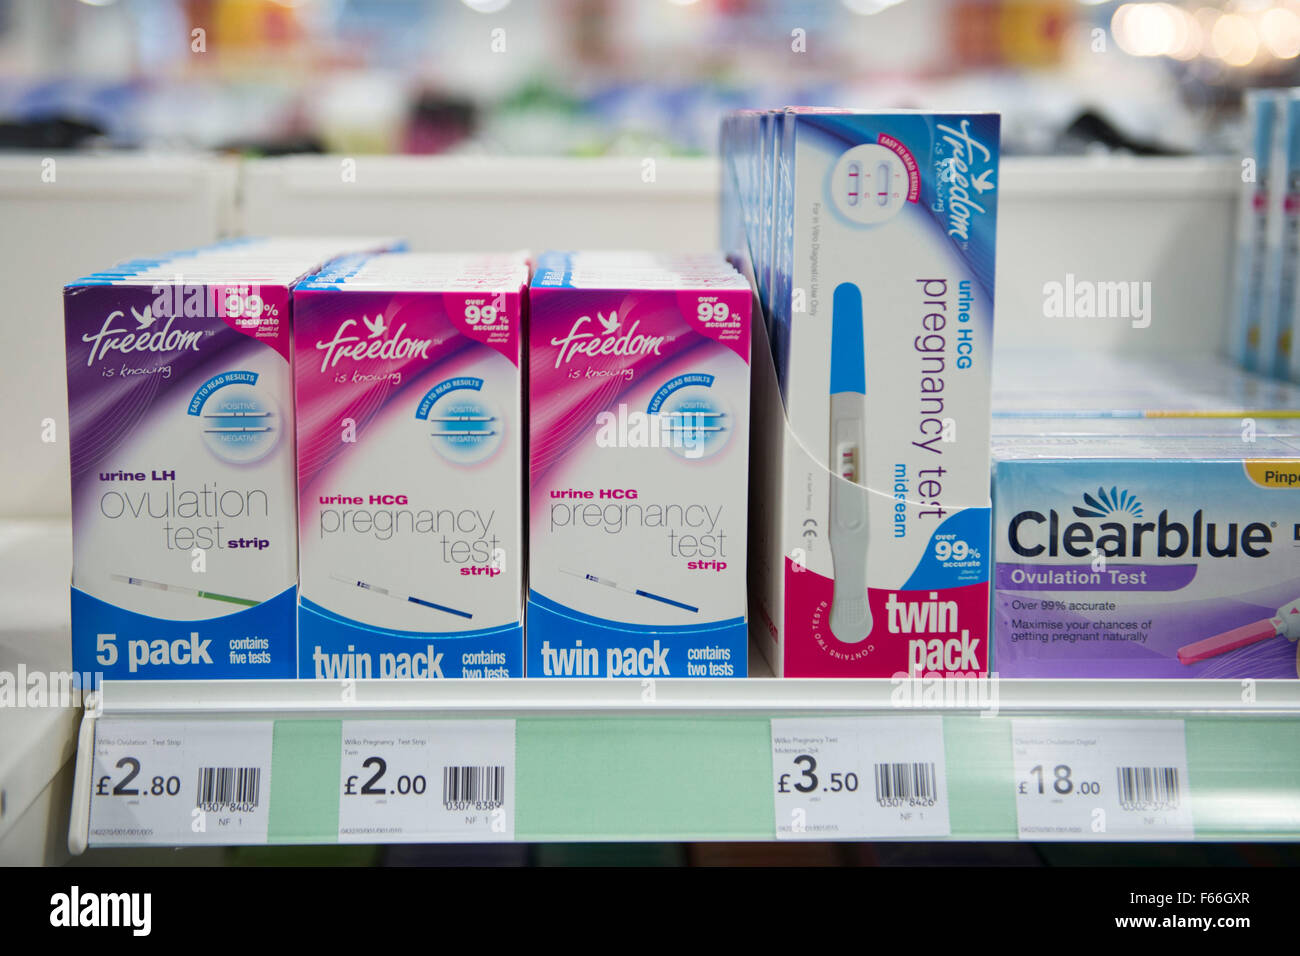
639, 439
1146, 556
871, 396
181, 425
410, 471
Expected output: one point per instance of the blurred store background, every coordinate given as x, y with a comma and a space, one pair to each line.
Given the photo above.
620, 77
130, 127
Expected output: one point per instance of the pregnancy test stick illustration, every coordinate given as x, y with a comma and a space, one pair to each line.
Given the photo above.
398, 596
637, 591
239, 415
179, 589
1285, 624
464, 418
850, 618
238, 428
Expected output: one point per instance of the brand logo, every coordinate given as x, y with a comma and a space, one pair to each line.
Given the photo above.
143, 338
77, 908
372, 346
1112, 529
606, 342
966, 173
1109, 503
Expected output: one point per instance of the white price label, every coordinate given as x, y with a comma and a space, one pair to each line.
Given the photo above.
427, 780
841, 778
1101, 779
174, 782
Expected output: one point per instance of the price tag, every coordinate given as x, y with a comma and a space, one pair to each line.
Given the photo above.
419, 781
175, 782
850, 777
1101, 779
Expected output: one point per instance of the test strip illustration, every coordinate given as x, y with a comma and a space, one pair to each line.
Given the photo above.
180, 589
639, 592
850, 617
398, 595
1285, 624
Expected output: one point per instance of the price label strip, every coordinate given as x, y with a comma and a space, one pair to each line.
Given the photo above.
175, 783
837, 778
420, 781
1101, 779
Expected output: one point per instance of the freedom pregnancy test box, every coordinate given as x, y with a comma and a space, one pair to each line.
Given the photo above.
410, 471
1147, 556
871, 501
181, 425
639, 439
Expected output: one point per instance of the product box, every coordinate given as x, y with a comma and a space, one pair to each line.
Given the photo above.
410, 469
180, 409
1089, 429
1254, 211
1282, 306
871, 401
1150, 557
639, 440
1031, 383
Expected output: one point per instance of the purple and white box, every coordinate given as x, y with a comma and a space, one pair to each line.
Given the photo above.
182, 457
1146, 556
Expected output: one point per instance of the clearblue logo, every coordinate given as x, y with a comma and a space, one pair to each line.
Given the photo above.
1114, 529
1109, 503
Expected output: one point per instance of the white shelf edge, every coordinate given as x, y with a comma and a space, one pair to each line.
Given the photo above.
750, 695
79, 816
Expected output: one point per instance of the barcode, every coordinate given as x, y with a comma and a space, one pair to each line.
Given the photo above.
226, 787
473, 785
1148, 788
906, 783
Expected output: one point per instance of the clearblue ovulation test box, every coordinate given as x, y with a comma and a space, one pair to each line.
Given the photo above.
639, 439
1145, 557
871, 399
182, 458
410, 471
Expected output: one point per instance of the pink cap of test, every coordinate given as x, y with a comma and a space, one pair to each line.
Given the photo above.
1228, 641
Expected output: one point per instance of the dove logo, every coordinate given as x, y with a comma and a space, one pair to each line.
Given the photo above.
964, 184
371, 346
145, 337
582, 341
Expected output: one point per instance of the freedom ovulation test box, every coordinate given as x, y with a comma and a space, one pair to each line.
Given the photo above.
1140, 557
639, 440
181, 426
871, 398
410, 471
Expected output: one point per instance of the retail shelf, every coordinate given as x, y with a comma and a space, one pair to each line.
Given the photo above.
692, 760
37, 729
